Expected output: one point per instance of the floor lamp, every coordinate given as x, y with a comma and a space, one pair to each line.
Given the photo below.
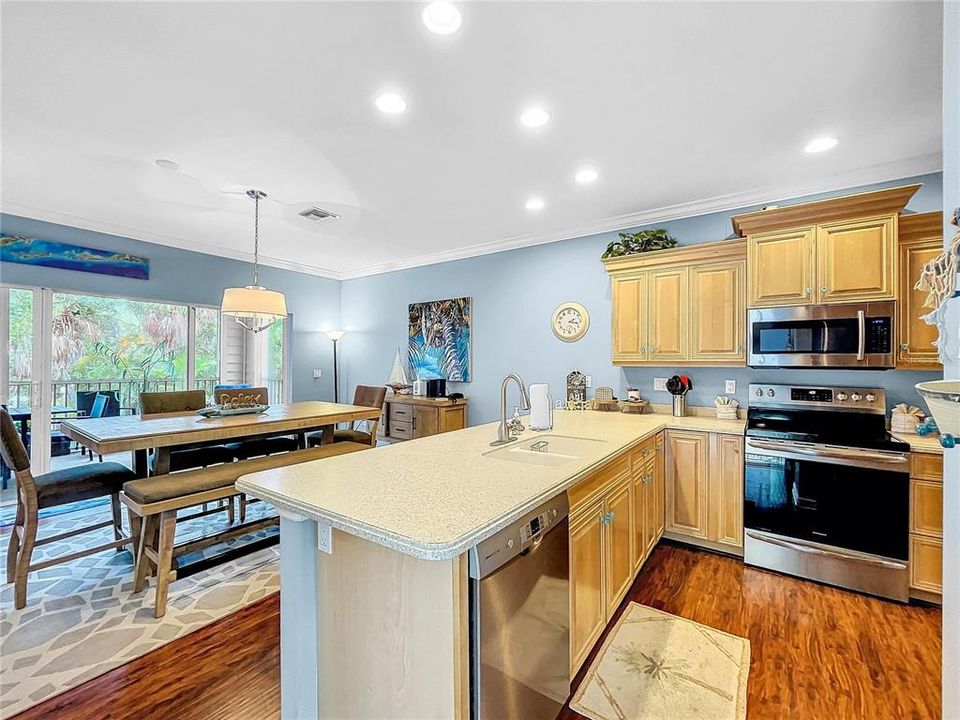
335, 335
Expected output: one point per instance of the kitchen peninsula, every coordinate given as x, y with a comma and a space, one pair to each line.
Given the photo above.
374, 576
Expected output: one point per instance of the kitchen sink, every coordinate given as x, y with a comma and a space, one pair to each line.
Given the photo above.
550, 450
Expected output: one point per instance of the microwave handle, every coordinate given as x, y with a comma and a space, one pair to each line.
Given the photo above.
861, 334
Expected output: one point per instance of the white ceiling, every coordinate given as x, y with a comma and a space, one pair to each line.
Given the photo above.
701, 106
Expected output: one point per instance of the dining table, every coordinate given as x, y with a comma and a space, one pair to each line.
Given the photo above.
138, 434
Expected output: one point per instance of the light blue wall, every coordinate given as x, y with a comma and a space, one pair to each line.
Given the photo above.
190, 277
514, 294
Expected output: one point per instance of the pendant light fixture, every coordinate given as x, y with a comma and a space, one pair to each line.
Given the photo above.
254, 307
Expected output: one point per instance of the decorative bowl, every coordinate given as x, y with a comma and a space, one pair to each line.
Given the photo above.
943, 400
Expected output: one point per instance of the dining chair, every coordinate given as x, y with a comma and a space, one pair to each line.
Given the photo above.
60, 487
257, 446
365, 396
178, 401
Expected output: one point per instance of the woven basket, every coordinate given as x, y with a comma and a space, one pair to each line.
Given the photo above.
633, 406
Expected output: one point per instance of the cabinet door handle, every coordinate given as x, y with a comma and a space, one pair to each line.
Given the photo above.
823, 289
809, 291
904, 346
414, 426
740, 348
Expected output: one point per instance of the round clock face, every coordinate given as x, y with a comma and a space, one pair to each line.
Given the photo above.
570, 321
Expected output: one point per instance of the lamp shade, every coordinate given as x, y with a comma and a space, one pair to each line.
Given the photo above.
335, 334
253, 301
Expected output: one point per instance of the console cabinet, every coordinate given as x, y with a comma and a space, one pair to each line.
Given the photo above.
408, 417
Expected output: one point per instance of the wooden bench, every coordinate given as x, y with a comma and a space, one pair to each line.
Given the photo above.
153, 504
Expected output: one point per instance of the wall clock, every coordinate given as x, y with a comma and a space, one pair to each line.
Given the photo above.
570, 321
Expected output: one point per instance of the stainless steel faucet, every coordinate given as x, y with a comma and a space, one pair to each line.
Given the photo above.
503, 431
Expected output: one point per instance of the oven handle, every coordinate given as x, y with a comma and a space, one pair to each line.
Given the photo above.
818, 452
810, 550
861, 334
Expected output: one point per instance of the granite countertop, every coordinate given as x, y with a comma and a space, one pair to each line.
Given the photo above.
927, 444
437, 497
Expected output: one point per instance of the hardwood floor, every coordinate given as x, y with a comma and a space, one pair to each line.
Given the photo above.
816, 652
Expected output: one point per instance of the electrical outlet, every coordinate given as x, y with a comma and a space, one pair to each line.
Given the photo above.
317, 373
730, 387
325, 538
660, 384
589, 380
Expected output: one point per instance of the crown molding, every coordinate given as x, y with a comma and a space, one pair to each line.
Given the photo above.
899, 170
910, 167
131, 233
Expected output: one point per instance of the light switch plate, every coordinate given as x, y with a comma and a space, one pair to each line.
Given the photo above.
730, 387
589, 380
660, 384
317, 373
325, 538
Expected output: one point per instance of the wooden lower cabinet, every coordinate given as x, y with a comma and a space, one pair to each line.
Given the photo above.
725, 511
926, 526
618, 525
616, 519
687, 482
588, 608
704, 488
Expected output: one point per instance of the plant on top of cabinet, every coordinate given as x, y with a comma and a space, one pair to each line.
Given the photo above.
639, 242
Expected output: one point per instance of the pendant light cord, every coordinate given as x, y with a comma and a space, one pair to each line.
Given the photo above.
256, 239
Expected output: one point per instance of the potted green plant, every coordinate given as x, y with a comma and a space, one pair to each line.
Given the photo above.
639, 242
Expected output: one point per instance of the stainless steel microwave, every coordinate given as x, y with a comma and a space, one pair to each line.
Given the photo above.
822, 336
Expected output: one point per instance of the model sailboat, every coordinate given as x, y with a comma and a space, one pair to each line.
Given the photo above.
398, 376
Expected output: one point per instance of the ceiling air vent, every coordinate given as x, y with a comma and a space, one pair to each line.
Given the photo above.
318, 215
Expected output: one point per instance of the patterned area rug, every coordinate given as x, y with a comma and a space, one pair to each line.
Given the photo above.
83, 619
655, 666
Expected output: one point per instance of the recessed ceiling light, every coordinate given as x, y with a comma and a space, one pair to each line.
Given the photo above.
535, 117
391, 103
820, 144
586, 175
441, 18
534, 204
167, 164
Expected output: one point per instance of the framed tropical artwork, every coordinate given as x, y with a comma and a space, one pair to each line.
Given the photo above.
439, 339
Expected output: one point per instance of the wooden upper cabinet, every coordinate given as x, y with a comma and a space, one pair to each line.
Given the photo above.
781, 267
920, 239
687, 482
857, 260
668, 315
629, 317
717, 312
726, 489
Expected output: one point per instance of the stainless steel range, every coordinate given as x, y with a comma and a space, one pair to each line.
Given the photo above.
826, 488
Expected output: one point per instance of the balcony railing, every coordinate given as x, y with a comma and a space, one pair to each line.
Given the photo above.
65, 391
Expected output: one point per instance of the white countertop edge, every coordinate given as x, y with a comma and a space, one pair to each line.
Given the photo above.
458, 546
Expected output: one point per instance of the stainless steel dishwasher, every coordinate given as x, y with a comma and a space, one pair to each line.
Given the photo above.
520, 618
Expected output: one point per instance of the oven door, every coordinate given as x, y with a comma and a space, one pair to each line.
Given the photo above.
829, 495
858, 335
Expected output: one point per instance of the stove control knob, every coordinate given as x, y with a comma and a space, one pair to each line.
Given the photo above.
841, 396
856, 397
771, 392
758, 392
871, 397
510, 543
